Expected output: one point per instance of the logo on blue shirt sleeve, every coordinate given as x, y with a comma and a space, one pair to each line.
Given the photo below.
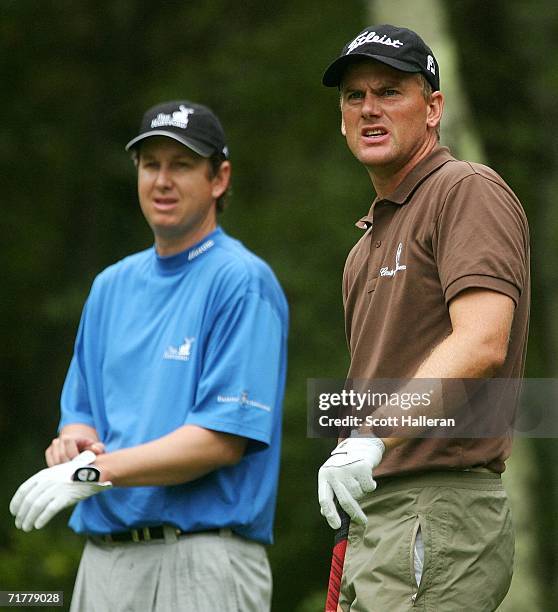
243, 400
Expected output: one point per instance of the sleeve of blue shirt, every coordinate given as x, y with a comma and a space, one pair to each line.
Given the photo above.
75, 406
240, 389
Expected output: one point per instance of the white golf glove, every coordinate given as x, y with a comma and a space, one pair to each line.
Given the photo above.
347, 474
43, 495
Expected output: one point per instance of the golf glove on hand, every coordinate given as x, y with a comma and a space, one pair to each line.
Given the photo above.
43, 495
347, 474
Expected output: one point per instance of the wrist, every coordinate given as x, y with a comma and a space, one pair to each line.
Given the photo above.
360, 444
106, 475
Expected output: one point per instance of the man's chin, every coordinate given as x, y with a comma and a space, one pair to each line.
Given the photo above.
376, 159
380, 154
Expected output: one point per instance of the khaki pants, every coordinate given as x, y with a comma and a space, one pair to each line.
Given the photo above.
193, 573
468, 541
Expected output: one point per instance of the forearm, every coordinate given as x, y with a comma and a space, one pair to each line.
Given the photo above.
457, 357
461, 356
181, 456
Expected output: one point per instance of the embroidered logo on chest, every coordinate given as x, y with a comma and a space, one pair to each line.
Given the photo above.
398, 266
180, 353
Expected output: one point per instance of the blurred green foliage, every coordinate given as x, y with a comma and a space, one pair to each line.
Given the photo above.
76, 78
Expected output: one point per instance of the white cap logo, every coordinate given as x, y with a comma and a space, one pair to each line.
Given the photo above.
430, 64
178, 119
372, 37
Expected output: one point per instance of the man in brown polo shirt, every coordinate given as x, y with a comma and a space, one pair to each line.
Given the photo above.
437, 287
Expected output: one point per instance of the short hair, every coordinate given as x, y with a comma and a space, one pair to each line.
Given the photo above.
427, 95
426, 87
215, 162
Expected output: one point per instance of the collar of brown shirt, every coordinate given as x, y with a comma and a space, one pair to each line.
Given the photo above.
405, 189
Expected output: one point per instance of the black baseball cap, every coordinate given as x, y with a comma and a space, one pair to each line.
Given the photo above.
193, 125
399, 48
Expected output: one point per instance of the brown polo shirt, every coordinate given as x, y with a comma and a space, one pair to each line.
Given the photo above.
449, 226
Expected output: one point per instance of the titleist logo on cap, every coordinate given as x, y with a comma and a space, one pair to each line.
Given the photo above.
372, 37
178, 119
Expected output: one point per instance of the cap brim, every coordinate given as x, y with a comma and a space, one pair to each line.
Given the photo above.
334, 72
196, 146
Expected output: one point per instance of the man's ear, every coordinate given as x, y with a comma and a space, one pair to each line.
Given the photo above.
435, 109
221, 180
343, 130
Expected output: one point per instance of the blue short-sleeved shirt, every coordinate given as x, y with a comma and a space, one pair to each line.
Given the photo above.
194, 338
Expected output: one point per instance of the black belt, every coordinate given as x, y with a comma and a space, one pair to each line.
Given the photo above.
146, 534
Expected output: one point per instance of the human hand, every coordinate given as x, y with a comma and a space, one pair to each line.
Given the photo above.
347, 475
51, 490
67, 447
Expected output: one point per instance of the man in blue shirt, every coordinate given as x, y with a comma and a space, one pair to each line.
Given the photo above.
171, 411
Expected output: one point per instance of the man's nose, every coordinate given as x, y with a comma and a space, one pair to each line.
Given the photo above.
371, 105
163, 180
